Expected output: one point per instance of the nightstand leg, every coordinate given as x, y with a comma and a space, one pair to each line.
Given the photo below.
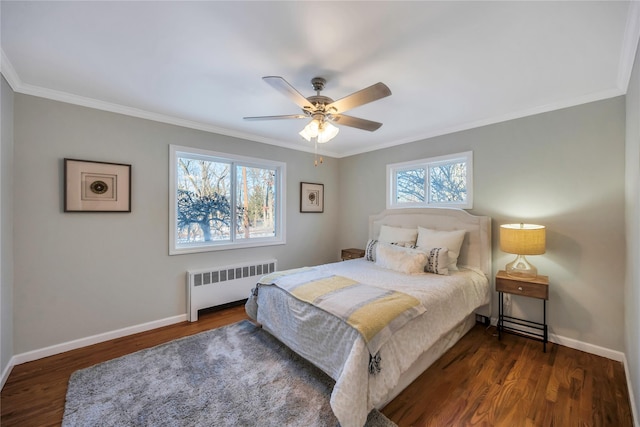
500, 315
544, 322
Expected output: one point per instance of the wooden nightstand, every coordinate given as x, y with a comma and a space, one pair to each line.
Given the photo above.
537, 287
352, 253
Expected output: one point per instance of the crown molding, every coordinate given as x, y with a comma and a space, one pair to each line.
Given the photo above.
68, 98
9, 73
19, 86
627, 60
598, 96
630, 44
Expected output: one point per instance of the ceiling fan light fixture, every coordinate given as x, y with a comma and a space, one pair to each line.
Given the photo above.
327, 132
321, 130
310, 130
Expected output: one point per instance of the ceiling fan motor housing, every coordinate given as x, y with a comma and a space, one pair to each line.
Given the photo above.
318, 101
318, 83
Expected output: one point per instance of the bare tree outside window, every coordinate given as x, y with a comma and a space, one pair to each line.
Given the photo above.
439, 181
204, 210
256, 196
410, 186
220, 202
448, 183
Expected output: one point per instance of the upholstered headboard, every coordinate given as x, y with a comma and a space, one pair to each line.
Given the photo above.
476, 247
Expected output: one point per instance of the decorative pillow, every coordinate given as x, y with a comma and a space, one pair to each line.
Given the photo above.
437, 261
403, 260
370, 250
451, 240
404, 236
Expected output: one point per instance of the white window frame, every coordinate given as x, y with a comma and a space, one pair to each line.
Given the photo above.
394, 168
176, 151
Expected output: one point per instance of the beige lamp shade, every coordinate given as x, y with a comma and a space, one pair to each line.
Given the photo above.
522, 239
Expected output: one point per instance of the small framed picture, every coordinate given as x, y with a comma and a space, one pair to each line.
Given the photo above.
311, 197
96, 186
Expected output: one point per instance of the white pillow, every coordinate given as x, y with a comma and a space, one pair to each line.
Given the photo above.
389, 234
437, 261
398, 258
451, 240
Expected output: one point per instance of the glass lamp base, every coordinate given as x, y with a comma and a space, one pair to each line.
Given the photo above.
520, 267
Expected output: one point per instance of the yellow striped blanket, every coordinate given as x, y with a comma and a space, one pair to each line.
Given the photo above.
376, 313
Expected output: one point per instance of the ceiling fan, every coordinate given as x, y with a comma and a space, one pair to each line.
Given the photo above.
324, 110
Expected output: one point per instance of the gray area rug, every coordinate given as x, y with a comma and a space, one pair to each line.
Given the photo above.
237, 375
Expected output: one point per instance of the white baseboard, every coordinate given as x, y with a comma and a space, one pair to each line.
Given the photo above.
579, 345
634, 409
7, 371
83, 342
618, 356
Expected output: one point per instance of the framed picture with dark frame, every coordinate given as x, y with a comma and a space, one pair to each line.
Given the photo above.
311, 197
96, 186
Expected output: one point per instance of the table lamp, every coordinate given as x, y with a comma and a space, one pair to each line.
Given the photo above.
522, 239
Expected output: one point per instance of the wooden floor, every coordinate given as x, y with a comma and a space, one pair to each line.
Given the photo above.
485, 382
479, 382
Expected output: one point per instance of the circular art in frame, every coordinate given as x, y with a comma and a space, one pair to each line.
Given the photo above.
96, 186
311, 197
99, 187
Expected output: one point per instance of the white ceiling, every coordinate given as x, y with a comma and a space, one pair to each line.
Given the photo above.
450, 65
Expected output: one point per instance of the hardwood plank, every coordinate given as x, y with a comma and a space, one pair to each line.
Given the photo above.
480, 381
513, 383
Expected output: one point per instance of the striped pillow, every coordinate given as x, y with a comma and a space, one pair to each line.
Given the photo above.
370, 250
437, 261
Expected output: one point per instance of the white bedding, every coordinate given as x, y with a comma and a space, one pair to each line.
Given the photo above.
342, 353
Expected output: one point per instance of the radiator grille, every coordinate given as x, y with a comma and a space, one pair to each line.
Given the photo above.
223, 274
223, 284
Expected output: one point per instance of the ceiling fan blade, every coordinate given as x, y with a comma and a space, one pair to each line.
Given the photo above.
356, 122
288, 116
282, 86
361, 97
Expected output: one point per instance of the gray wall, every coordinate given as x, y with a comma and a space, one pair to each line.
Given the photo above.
563, 169
81, 274
78, 275
6, 225
632, 288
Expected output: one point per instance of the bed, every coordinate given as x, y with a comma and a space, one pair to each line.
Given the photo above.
372, 363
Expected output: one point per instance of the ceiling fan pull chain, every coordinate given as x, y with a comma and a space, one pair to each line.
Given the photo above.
315, 160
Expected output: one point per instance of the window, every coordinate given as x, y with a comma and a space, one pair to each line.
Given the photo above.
445, 181
221, 201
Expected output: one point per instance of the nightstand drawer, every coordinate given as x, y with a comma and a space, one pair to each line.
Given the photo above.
535, 288
352, 253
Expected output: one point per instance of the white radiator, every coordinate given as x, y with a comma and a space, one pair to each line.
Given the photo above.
221, 285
